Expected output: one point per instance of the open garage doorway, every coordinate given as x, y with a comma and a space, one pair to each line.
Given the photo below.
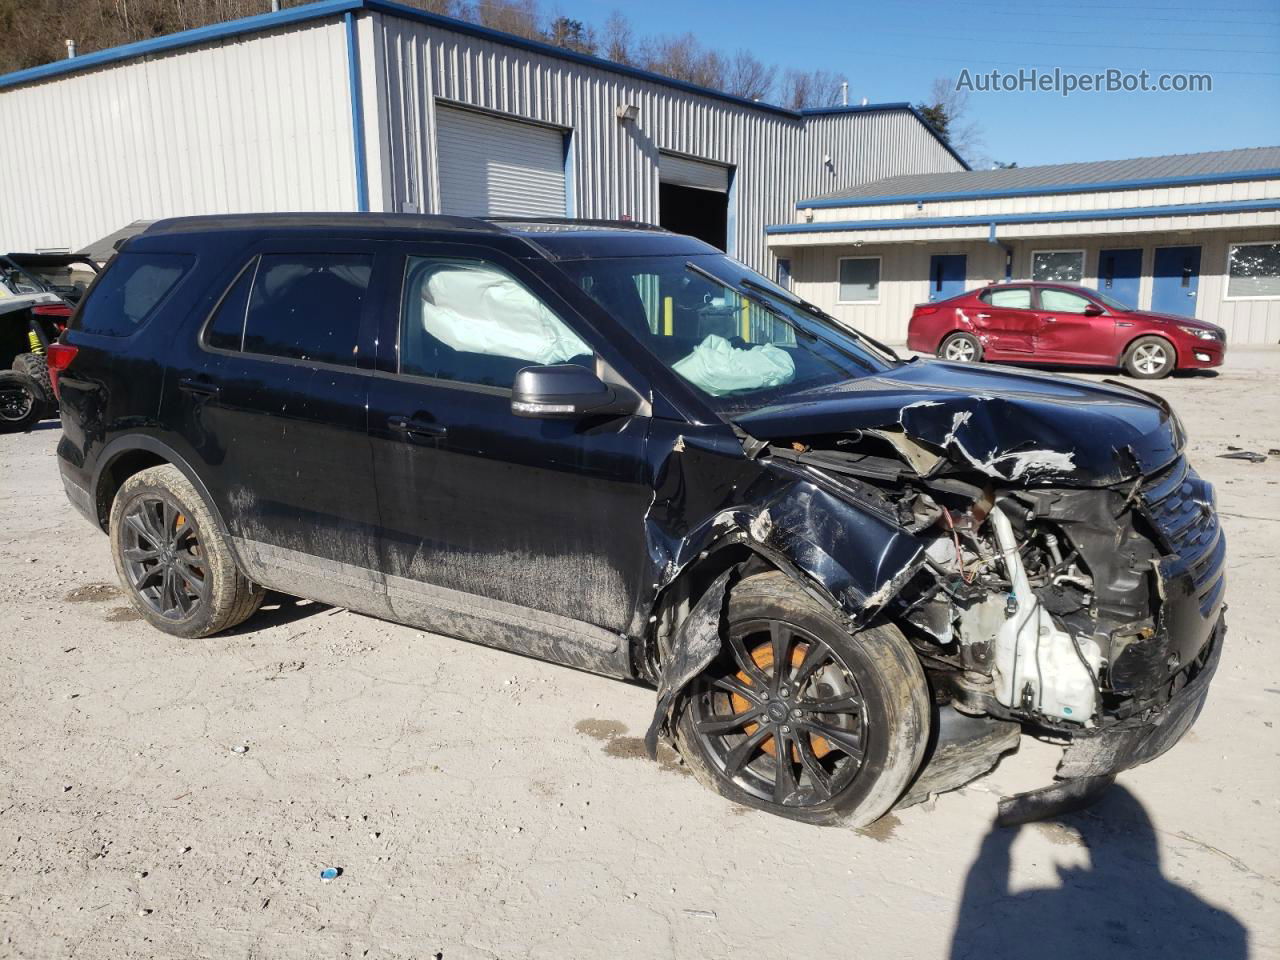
693, 198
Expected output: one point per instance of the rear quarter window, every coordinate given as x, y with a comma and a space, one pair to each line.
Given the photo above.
127, 295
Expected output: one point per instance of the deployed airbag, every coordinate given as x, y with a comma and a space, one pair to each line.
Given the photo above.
478, 309
718, 367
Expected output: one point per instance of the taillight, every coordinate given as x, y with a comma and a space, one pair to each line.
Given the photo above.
923, 310
59, 357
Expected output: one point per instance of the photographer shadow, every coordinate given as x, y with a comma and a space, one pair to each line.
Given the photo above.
1121, 905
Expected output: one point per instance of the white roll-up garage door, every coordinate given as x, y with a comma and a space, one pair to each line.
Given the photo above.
492, 167
684, 172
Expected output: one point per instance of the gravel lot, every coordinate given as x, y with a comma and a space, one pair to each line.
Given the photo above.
484, 805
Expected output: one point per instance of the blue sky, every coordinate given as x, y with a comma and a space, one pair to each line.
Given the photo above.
893, 51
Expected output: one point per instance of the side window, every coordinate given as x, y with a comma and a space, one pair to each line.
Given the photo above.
226, 329
472, 322
1010, 298
129, 292
307, 306
1062, 301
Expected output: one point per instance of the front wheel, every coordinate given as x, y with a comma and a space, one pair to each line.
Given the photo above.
1150, 358
799, 718
961, 348
172, 559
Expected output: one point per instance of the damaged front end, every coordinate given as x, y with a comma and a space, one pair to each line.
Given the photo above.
1069, 571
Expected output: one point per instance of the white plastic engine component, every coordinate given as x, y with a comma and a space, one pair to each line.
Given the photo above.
1036, 664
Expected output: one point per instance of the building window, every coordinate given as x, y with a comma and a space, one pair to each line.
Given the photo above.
1253, 270
859, 280
1057, 266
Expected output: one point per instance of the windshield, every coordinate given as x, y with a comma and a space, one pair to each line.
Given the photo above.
1109, 301
736, 338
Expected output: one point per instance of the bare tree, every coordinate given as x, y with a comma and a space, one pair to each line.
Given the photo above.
747, 76
683, 58
520, 17
808, 89
619, 38
948, 112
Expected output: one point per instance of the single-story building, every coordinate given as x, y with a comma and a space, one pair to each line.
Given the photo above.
1193, 234
370, 105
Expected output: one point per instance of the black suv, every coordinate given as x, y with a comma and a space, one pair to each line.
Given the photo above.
853, 579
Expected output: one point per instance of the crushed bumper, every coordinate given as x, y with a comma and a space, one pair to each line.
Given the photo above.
1139, 739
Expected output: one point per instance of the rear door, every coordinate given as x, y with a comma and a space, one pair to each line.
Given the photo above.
270, 397
1007, 321
519, 533
1070, 335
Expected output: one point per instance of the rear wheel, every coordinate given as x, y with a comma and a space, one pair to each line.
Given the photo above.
801, 719
1150, 358
172, 559
37, 368
961, 348
20, 404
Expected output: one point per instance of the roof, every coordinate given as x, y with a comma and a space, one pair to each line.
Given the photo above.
1254, 163
557, 239
324, 9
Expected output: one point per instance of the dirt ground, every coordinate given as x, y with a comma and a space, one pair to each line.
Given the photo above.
483, 805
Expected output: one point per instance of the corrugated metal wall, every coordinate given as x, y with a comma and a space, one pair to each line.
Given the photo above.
256, 124
614, 165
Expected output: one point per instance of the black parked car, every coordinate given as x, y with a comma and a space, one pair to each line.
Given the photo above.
853, 579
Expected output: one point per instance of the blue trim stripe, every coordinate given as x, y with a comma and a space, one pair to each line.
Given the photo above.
357, 113
1240, 176
1125, 213
328, 8
185, 38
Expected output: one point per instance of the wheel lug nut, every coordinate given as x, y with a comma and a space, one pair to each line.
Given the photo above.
783, 692
764, 694
796, 714
786, 728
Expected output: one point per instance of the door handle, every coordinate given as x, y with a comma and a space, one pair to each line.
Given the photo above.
984, 316
1049, 319
416, 428
199, 388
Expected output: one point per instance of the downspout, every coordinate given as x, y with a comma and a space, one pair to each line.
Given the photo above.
357, 113
1008, 253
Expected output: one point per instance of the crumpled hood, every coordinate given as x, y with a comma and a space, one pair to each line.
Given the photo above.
1012, 426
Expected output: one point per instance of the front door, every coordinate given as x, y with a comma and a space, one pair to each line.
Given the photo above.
946, 276
1006, 321
269, 401
1176, 280
1120, 274
520, 533
1069, 333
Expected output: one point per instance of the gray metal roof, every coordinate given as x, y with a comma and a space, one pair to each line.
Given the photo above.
1065, 177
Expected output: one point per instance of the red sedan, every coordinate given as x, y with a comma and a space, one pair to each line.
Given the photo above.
1060, 323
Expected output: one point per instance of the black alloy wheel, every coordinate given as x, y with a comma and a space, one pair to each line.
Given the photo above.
785, 720
163, 558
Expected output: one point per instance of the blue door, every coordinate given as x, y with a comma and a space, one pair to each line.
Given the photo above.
1176, 280
1119, 275
946, 276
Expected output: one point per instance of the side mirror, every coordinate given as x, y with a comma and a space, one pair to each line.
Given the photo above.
1093, 310
567, 391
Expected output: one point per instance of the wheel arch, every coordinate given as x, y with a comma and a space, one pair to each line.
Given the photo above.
1124, 351
126, 456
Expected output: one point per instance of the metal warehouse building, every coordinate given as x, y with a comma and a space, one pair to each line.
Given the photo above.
366, 105
1193, 234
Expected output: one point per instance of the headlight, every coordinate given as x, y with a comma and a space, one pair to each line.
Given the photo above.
1200, 333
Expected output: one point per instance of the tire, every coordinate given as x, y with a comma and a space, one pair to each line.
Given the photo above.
1150, 358
874, 674
172, 559
965, 347
20, 404
37, 368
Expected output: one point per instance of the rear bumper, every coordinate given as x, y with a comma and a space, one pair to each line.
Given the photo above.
77, 492
1137, 740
